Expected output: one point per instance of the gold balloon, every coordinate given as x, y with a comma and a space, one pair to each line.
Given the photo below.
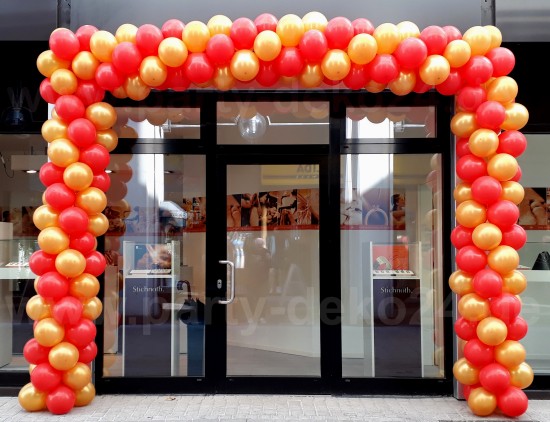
38, 308
479, 39
496, 36
408, 29
47, 63
127, 132
244, 65
172, 52
53, 240
48, 332
108, 138
314, 20
63, 356
512, 191
223, 78
219, 24
78, 176
465, 373
521, 376
157, 116
85, 396
457, 53
64, 81
336, 65
135, 88
375, 87
387, 37
487, 236
510, 353
462, 192
492, 331
463, 124
62, 152
514, 282
483, 142
77, 377
84, 65
362, 49
290, 29
482, 402
45, 216
119, 92
502, 166
516, 116
267, 46
126, 33
503, 89
31, 399
152, 71
503, 259
92, 200
404, 83
70, 263
195, 36
434, 70
85, 286
102, 115
92, 308
98, 225
53, 129
471, 213
473, 307
102, 44
460, 282
311, 76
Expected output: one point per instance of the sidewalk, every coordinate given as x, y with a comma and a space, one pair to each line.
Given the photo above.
266, 407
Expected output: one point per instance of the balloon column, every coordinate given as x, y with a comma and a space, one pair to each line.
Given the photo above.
308, 52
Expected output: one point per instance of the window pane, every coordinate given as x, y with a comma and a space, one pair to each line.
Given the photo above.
158, 122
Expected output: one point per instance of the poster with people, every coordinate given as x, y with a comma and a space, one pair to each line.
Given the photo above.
378, 208
533, 209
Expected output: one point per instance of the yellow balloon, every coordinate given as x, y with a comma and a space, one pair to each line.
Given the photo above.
244, 65
487, 236
126, 33
460, 282
512, 191
45, 216
473, 307
135, 88
267, 45
64, 81
514, 282
92, 308
152, 71
223, 78
31, 399
462, 192
85, 286
479, 39
434, 70
48, 332
483, 142
63, 356
53, 129
336, 65
463, 124
102, 45
502, 166
387, 37
521, 376
195, 36
314, 20
471, 213
172, 52
491, 331
98, 225
108, 138
408, 29
482, 402
70, 263
77, 377
84, 65
516, 114
92, 200
503, 89
62, 152
53, 240
496, 36
457, 53
510, 353
404, 83
78, 176
102, 115
465, 373
219, 24
362, 49
311, 76
47, 63
503, 259
290, 29
38, 308
85, 396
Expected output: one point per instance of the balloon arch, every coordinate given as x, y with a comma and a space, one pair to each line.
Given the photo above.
81, 66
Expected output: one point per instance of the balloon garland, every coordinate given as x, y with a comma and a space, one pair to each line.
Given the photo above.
310, 51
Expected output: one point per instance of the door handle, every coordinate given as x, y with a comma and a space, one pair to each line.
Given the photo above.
232, 281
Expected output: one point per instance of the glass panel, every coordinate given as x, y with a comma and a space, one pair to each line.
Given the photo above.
392, 297
155, 250
273, 123
273, 239
158, 122
390, 122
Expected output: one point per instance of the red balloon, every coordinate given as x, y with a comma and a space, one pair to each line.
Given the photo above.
313, 46
84, 243
59, 196
517, 329
471, 259
465, 329
50, 173
503, 61
84, 33
266, 22
267, 75
451, 85
35, 353
67, 311
356, 78
172, 28
452, 32
486, 190
73, 221
503, 214
97, 157
330, 82
470, 167
148, 38
52, 285
82, 333
289, 62
517, 176
198, 68
477, 71
47, 92
490, 115
461, 236
487, 283
411, 53
383, 68
220, 49
420, 86
362, 26
88, 353
505, 307
45, 377
515, 237
64, 43
470, 98
89, 92
243, 33
467, 389
176, 79
435, 39
127, 58
512, 402
41, 262
61, 400
462, 147
495, 378
69, 107
108, 77
81, 132
339, 32
95, 263
512, 142
478, 353
102, 181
